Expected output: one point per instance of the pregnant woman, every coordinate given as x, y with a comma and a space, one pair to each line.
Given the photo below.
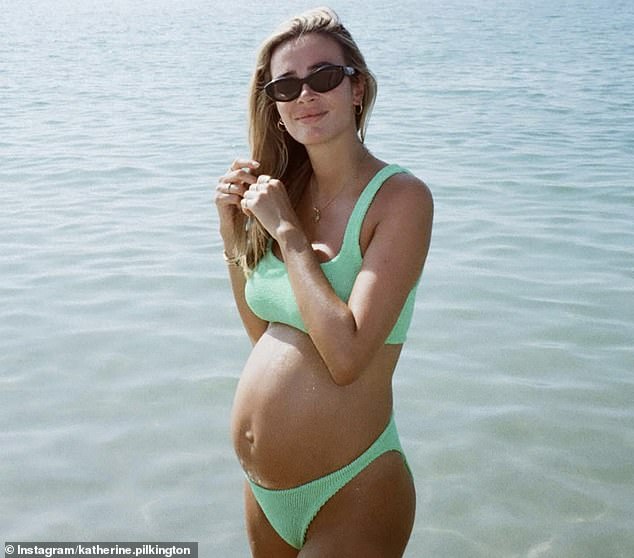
325, 245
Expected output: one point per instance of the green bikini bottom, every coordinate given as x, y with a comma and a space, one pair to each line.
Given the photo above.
290, 511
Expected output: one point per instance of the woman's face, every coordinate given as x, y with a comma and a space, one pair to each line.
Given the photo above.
315, 118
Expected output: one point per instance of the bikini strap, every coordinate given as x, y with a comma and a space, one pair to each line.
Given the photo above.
353, 229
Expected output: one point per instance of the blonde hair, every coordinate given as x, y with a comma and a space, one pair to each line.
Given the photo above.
279, 155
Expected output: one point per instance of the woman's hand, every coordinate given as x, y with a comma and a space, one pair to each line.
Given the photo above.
267, 200
229, 194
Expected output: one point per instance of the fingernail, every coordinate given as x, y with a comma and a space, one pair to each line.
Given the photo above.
256, 164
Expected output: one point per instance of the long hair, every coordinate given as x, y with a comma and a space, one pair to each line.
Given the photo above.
279, 155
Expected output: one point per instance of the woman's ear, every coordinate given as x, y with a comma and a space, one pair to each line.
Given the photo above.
358, 90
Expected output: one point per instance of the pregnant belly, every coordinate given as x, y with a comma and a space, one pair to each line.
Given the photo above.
291, 423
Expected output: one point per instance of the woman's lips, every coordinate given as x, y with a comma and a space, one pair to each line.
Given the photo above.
310, 117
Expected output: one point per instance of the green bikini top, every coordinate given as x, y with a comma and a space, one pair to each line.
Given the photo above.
268, 290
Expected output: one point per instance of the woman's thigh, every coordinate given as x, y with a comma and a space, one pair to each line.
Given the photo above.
263, 539
371, 516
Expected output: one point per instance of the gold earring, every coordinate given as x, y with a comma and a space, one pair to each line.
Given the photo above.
280, 125
358, 109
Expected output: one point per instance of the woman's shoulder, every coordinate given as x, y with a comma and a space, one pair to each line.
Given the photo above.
401, 215
402, 211
403, 192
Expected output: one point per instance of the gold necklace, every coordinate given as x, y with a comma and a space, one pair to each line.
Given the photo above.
316, 210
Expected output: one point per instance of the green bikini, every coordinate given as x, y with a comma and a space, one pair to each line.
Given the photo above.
292, 510
268, 290
269, 295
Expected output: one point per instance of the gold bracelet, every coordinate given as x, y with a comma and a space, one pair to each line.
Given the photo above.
235, 260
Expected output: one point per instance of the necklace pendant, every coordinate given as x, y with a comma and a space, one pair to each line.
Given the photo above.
316, 215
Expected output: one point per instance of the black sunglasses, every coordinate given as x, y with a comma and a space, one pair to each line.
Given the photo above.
321, 80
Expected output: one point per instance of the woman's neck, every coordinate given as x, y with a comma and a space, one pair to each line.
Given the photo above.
333, 163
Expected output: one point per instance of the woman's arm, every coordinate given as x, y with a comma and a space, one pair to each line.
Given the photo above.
253, 325
229, 192
348, 335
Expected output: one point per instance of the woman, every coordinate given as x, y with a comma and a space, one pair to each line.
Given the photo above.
325, 244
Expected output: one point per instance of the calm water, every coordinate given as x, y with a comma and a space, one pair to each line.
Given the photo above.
119, 346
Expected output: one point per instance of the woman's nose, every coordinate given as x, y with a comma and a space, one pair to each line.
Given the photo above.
306, 92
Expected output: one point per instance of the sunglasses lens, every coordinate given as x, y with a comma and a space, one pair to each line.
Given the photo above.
325, 79
284, 89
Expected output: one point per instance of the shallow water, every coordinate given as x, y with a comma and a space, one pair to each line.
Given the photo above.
119, 346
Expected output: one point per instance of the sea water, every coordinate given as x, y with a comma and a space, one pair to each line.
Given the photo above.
120, 348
